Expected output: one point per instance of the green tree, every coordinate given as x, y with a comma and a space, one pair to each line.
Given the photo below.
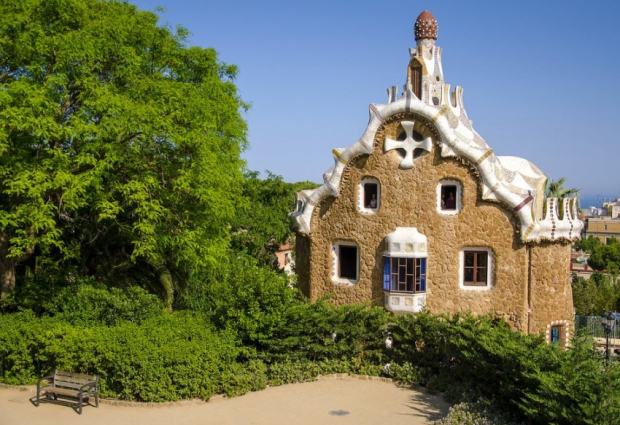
602, 256
262, 223
119, 145
556, 189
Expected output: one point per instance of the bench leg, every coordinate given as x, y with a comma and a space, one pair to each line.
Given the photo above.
96, 399
79, 406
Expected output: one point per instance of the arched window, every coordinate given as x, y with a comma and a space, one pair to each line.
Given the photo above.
415, 78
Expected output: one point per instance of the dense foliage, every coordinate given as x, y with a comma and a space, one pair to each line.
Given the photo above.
119, 146
262, 223
600, 293
601, 256
165, 358
120, 156
259, 332
595, 296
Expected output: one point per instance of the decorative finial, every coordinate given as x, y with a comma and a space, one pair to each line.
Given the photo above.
426, 26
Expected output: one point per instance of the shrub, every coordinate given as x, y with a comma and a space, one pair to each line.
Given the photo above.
181, 355
243, 297
238, 379
170, 357
90, 304
477, 413
289, 372
468, 358
307, 333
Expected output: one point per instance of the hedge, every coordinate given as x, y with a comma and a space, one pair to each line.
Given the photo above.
171, 357
182, 355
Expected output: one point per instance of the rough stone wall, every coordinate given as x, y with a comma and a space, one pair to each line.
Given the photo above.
408, 199
302, 263
551, 292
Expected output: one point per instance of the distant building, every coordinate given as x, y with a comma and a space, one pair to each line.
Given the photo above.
613, 208
284, 254
603, 228
602, 223
593, 212
579, 264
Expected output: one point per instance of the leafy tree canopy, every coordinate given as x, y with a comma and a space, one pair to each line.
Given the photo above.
602, 256
119, 144
262, 222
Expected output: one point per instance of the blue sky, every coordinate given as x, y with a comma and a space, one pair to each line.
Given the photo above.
541, 78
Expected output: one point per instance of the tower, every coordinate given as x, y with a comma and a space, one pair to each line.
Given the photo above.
425, 73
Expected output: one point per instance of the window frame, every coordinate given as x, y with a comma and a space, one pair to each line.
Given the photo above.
336, 278
563, 333
490, 269
559, 329
459, 196
415, 78
361, 195
419, 276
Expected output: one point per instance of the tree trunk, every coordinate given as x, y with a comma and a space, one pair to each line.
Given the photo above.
165, 278
7, 268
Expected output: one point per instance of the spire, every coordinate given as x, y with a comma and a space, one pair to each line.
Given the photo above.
426, 26
424, 73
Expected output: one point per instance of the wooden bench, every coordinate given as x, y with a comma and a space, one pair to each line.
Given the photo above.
67, 385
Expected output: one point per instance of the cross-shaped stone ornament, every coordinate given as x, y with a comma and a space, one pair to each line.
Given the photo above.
409, 145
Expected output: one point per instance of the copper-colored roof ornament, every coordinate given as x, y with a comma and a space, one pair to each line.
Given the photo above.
426, 26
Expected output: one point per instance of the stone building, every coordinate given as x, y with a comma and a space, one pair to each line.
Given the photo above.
603, 223
420, 213
603, 228
613, 208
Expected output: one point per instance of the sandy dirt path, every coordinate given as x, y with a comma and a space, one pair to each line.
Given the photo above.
324, 402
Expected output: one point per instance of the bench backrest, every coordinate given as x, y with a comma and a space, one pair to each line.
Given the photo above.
72, 380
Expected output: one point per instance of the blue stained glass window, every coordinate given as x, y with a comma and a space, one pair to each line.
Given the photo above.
423, 274
404, 274
386, 273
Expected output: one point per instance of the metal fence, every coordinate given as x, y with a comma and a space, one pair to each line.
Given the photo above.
593, 325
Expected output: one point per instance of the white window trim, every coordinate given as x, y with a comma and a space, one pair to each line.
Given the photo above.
490, 269
360, 196
564, 324
459, 196
336, 279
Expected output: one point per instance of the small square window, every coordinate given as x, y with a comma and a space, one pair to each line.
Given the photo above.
557, 335
369, 197
476, 271
448, 197
475, 268
345, 257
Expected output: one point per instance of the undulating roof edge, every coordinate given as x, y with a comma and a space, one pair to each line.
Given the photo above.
514, 182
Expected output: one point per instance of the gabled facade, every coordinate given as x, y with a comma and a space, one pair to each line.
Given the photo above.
420, 213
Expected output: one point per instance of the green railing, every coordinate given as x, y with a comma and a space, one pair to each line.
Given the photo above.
593, 325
